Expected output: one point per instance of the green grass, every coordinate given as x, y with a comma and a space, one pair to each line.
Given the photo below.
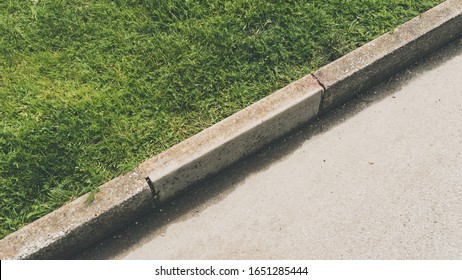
89, 89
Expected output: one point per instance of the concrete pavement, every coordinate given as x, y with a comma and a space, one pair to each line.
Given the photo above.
379, 178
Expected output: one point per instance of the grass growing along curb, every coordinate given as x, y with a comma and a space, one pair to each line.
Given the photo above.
89, 89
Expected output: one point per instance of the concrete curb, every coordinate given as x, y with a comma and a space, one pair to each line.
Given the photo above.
79, 224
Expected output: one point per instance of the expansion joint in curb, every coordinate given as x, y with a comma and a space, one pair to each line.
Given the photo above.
319, 82
322, 93
154, 192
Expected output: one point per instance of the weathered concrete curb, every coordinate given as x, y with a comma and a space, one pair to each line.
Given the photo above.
78, 224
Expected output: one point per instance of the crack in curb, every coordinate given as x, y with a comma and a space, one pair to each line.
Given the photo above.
322, 92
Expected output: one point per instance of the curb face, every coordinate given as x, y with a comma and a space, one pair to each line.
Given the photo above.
79, 224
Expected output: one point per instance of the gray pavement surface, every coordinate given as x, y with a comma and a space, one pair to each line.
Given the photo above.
380, 178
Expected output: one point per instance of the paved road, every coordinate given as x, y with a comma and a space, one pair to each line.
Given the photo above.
380, 178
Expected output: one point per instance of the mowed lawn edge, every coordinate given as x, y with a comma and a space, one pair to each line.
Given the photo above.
89, 89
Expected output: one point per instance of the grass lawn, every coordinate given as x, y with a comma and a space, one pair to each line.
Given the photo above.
91, 88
